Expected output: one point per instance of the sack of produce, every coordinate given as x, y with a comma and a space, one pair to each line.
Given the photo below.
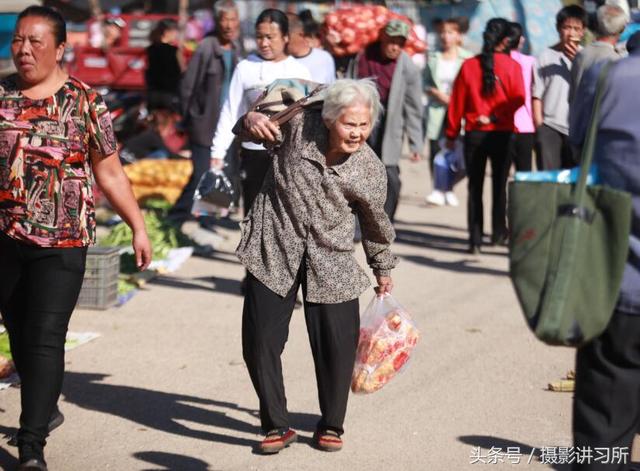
159, 178
350, 29
213, 194
387, 338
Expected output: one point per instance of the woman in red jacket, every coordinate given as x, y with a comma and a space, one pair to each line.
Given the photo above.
486, 94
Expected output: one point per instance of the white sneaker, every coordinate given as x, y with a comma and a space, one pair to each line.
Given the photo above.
436, 198
451, 199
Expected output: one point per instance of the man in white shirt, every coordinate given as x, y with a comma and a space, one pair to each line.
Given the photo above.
319, 62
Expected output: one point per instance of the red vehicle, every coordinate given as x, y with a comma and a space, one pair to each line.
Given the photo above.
122, 65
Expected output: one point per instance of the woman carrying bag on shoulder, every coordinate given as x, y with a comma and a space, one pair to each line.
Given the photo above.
300, 232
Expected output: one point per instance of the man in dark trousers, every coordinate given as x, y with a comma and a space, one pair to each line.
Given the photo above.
606, 406
400, 87
203, 91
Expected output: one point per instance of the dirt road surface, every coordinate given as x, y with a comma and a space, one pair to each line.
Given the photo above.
165, 386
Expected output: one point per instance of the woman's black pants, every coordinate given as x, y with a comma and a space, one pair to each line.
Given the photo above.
478, 147
333, 334
39, 288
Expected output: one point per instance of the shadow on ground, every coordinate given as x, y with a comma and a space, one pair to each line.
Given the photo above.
162, 461
431, 225
164, 411
205, 283
7, 460
431, 241
228, 223
467, 265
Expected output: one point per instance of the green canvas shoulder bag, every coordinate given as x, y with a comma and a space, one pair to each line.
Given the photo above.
567, 250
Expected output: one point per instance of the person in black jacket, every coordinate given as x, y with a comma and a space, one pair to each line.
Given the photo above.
163, 72
203, 90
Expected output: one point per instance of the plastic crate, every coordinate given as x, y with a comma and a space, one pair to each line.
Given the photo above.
100, 284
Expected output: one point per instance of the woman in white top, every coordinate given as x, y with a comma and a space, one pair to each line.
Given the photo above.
251, 76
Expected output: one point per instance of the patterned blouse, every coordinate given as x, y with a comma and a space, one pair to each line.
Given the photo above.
46, 195
305, 209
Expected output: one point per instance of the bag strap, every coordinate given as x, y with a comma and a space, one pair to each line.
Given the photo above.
295, 108
590, 141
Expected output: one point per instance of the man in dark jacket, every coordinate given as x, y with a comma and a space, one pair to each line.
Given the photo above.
606, 409
203, 90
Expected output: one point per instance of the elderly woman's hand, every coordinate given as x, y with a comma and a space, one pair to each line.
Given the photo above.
259, 126
385, 284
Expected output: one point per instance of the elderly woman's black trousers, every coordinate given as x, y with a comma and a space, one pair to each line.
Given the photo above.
333, 334
39, 288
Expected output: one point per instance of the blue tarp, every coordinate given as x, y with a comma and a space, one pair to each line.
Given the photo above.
7, 24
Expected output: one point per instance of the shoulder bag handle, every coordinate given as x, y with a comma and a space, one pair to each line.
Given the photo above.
590, 140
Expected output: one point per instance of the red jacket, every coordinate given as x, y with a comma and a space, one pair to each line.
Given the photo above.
468, 102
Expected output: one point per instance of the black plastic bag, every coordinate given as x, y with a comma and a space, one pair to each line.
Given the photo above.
213, 195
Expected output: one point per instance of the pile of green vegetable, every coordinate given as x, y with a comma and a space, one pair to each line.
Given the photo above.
5, 350
163, 237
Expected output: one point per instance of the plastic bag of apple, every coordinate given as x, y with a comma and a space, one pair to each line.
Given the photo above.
349, 30
387, 338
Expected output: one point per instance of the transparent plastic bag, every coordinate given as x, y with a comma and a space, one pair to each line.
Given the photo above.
213, 195
387, 338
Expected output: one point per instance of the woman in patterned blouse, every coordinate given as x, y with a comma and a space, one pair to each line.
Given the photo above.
55, 136
300, 232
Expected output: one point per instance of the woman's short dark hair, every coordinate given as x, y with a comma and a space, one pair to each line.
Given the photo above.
309, 24
571, 11
58, 26
453, 22
463, 23
164, 25
273, 15
515, 34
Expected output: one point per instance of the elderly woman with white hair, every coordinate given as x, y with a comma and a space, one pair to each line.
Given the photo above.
300, 232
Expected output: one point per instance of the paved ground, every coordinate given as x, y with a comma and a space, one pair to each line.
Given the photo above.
165, 387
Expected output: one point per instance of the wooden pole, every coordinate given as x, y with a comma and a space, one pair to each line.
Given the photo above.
183, 14
96, 11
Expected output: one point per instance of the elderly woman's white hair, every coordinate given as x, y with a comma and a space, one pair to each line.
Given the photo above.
344, 93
